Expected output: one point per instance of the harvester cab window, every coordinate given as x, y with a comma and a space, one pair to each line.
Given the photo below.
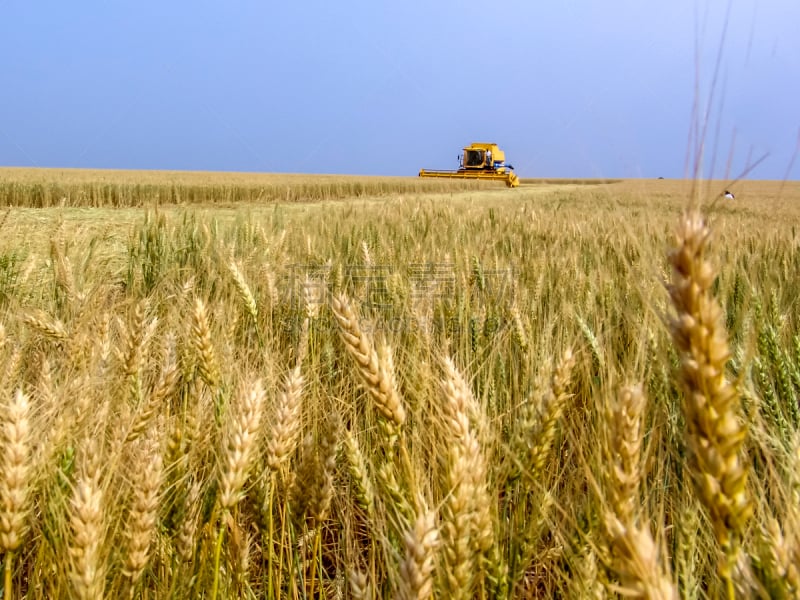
473, 158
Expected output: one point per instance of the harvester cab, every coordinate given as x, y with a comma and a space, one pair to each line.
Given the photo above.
480, 161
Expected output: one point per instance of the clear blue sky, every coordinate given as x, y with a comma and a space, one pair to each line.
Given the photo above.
568, 89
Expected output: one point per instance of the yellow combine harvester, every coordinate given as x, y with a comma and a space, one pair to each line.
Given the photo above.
480, 161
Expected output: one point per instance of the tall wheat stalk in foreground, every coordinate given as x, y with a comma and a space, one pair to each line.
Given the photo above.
14, 479
282, 438
467, 520
715, 432
143, 514
239, 450
87, 516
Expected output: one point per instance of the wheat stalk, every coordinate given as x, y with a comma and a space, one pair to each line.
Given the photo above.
311, 297
587, 582
365, 254
101, 349
304, 480
281, 444
11, 370
519, 332
793, 469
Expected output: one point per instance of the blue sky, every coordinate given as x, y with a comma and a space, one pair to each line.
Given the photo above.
573, 89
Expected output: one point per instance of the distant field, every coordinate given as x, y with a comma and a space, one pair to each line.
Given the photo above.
84, 176
542, 180
119, 188
83, 187
290, 386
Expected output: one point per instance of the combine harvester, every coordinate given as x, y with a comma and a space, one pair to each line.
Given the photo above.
480, 161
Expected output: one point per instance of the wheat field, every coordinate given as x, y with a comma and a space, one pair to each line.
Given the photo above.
222, 386
110, 188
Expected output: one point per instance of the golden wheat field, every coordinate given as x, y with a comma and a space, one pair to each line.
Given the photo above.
273, 386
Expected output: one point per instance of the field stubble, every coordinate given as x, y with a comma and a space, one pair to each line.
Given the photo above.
560, 390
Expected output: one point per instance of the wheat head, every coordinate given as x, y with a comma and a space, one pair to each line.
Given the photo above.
715, 432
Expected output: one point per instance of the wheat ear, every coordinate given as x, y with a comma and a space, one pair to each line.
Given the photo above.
240, 444
285, 427
625, 424
135, 340
62, 269
360, 589
15, 475
52, 328
467, 523
237, 455
328, 449
312, 491
281, 444
636, 555
245, 293
201, 340
378, 378
637, 561
87, 570
416, 569
166, 385
357, 467
715, 432
143, 513
186, 539
15, 442
553, 405
783, 560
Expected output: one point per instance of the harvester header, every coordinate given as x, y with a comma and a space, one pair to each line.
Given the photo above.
480, 161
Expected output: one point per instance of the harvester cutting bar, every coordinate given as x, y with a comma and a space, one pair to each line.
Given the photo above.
510, 178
